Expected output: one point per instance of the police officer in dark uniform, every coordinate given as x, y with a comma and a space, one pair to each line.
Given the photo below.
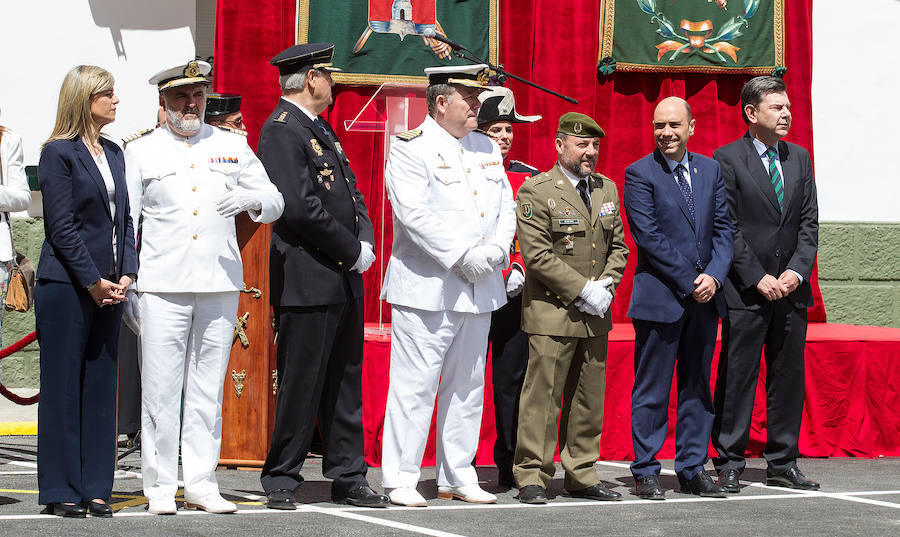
320, 247
224, 110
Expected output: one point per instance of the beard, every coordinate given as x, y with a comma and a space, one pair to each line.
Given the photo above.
177, 120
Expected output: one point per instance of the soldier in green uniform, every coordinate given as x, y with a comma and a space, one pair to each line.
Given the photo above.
572, 242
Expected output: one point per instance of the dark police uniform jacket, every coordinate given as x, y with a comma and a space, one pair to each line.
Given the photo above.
316, 240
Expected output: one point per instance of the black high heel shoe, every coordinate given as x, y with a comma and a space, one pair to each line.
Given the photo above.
101, 510
66, 510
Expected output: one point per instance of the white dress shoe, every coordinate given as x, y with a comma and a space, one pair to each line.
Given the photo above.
162, 506
211, 503
467, 493
407, 496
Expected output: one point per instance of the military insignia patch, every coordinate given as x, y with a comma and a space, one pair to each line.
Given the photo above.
135, 136
607, 208
315, 146
551, 203
409, 135
577, 128
281, 118
567, 211
526, 211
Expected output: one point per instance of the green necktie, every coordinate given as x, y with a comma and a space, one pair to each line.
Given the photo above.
775, 176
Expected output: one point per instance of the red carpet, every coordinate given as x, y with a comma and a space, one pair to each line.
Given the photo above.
852, 396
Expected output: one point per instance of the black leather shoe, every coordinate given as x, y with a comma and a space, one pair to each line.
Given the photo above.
362, 496
281, 499
648, 488
534, 494
100, 510
66, 510
729, 480
703, 485
793, 479
596, 492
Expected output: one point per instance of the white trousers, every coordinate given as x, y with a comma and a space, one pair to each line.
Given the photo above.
185, 344
434, 352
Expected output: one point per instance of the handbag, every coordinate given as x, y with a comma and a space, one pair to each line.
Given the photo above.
20, 291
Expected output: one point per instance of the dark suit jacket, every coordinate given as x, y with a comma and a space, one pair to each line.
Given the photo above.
316, 240
767, 241
673, 249
78, 227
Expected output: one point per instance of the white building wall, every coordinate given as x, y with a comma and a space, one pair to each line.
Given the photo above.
854, 99
42, 40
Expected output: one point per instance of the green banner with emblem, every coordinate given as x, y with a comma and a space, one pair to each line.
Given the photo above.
706, 36
389, 41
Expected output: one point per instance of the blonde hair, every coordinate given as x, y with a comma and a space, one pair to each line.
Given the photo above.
73, 113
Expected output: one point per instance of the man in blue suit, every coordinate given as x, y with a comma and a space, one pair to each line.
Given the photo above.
678, 214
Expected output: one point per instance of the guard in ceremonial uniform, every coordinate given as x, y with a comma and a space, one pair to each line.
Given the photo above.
570, 233
224, 110
186, 182
454, 220
509, 344
320, 248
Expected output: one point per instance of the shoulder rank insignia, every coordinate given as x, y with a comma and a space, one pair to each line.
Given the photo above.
409, 135
229, 129
136, 135
281, 117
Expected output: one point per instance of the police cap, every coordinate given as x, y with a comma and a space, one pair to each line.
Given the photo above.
222, 104
307, 56
193, 72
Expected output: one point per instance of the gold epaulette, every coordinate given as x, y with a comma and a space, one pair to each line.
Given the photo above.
409, 135
135, 136
229, 129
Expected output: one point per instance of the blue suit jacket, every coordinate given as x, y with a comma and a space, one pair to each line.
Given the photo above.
672, 248
78, 227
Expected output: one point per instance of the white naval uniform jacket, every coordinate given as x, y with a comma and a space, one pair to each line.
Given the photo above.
173, 185
448, 195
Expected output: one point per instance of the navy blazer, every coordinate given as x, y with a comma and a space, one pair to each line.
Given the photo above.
78, 227
672, 248
767, 240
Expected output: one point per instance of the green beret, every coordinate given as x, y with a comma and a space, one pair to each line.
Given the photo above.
580, 125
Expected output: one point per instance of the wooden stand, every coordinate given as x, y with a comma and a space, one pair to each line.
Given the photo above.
248, 407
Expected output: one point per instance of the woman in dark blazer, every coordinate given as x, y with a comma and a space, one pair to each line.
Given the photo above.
87, 261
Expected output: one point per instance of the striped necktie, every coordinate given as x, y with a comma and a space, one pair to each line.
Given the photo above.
775, 176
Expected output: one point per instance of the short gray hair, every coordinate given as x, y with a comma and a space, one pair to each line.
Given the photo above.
433, 92
756, 89
294, 81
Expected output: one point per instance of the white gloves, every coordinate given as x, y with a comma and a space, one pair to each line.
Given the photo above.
595, 298
365, 259
236, 201
515, 281
131, 312
478, 263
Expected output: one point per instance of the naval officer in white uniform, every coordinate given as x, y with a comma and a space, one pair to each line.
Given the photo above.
188, 180
454, 220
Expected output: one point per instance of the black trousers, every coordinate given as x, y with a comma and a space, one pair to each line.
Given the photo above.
781, 329
129, 383
319, 360
77, 409
509, 359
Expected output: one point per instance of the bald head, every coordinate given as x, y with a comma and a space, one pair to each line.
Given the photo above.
672, 127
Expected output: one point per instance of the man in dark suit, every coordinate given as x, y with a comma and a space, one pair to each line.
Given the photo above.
772, 198
320, 247
678, 214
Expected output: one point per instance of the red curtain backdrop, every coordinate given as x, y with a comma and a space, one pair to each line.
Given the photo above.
554, 44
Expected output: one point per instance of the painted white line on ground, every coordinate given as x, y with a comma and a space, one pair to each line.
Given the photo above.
20, 472
382, 522
25, 464
665, 471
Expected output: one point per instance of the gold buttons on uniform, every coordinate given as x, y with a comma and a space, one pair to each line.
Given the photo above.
195, 236
190, 145
194, 189
593, 262
195, 212
569, 229
468, 170
593, 245
192, 165
340, 264
475, 193
482, 214
548, 293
